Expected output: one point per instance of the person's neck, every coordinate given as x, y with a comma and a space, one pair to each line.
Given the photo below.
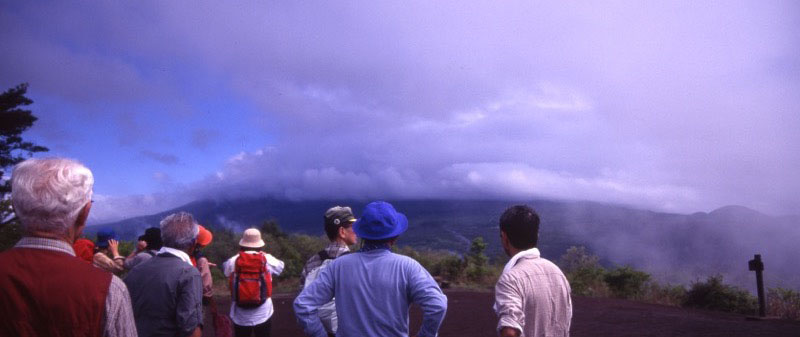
52, 236
185, 251
339, 242
514, 251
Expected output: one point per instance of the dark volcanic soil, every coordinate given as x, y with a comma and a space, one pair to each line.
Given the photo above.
470, 314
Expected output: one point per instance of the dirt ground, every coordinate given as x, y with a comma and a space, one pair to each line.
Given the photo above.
470, 314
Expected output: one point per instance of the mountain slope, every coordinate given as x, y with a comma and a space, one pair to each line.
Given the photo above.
673, 247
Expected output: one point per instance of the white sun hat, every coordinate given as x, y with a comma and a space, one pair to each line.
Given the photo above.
251, 239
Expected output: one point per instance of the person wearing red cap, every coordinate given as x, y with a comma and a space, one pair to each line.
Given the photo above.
84, 249
200, 261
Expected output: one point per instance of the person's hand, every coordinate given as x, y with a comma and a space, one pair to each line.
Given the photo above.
113, 246
212, 264
141, 245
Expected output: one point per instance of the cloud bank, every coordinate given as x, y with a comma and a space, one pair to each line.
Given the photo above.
680, 106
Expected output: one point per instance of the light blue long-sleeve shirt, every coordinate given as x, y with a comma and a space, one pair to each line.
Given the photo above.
373, 292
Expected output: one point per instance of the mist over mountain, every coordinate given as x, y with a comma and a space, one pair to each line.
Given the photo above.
677, 248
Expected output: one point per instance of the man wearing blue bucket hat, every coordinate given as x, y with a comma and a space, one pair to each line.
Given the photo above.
373, 287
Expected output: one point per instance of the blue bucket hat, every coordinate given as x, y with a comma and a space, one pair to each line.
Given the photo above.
103, 236
380, 221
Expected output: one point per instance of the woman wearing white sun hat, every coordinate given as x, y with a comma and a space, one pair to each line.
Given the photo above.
251, 312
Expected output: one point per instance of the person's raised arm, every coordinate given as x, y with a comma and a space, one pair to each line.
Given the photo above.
275, 265
306, 304
117, 260
426, 292
130, 260
141, 245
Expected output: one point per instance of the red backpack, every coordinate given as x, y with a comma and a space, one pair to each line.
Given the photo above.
250, 283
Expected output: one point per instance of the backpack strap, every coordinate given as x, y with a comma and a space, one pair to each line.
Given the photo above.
264, 264
323, 255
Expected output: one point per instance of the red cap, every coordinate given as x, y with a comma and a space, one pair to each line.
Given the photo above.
204, 236
84, 249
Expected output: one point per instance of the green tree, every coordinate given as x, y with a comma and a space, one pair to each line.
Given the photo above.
14, 120
271, 227
477, 266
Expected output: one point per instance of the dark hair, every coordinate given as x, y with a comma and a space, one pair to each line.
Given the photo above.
332, 230
521, 225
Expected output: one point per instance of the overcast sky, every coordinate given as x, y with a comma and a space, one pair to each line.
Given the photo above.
669, 106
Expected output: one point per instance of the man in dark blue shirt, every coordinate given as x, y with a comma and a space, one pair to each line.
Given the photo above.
166, 290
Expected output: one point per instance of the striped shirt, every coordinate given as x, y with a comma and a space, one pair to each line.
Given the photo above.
118, 316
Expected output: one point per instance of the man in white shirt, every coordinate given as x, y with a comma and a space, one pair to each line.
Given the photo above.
256, 320
532, 296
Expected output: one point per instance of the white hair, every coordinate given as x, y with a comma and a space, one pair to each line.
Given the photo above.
49, 193
179, 230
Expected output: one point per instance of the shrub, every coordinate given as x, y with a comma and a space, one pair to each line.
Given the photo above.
451, 268
431, 260
713, 294
443, 264
626, 282
667, 294
783, 303
584, 273
576, 258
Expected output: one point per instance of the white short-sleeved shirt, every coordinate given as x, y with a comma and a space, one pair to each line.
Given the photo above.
252, 316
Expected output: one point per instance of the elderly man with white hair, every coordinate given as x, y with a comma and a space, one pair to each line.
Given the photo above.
45, 289
166, 290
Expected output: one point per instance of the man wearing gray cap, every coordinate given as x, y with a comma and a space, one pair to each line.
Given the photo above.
373, 287
338, 227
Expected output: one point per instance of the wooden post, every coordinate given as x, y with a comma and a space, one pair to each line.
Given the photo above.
758, 266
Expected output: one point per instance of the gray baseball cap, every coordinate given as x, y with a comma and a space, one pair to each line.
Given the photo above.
338, 216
